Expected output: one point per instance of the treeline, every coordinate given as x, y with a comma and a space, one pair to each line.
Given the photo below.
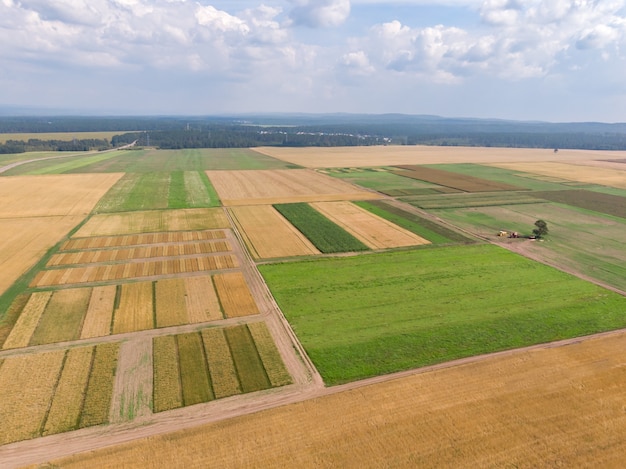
33, 144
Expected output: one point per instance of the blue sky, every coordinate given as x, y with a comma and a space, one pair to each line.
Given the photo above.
553, 60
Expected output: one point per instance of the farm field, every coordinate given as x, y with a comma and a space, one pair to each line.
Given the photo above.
464, 200
63, 136
152, 221
452, 180
388, 312
282, 186
66, 164
579, 240
345, 157
519, 414
598, 202
384, 180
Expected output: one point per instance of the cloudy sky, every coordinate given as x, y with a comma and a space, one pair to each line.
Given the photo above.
554, 60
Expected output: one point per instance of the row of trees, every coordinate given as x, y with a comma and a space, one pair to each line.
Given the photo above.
18, 146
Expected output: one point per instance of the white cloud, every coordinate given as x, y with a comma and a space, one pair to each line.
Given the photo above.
320, 13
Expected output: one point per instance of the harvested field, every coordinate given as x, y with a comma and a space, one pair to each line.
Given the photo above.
62, 320
67, 402
135, 311
201, 300
267, 234
580, 173
103, 242
375, 232
171, 306
143, 252
342, 157
457, 181
133, 270
167, 386
27, 384
282, 186
596, 201
100, 312
27, 321
154, 221
558, 407
46, 196
234, 295
221, 365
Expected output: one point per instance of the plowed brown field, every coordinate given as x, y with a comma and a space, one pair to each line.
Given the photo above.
282, 186
344, 157
375, 232
267, 234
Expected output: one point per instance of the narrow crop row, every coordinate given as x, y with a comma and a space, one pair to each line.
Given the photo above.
211, 364
99, 242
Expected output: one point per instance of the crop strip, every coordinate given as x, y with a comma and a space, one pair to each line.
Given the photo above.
272, 361
455, 180
201, 300
7, 323
221, 366
100, 312
63, 317
166, 385
135, 310
27, 322
196, 189
248, 364
193, 369
234, 294
100, 386
171, 308
68, 398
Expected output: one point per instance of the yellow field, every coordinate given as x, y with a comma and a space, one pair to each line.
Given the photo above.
28, 320
76, 244
201, 300
234, 294
268, 234
154, 221
266, 187
559, 407
342, 157
135, 309
100, 312
590, 174
373, 231
171, 308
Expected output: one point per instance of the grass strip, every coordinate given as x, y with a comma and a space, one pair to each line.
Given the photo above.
62, 320
427, 229
325, 235
68, 398
166, 381
214, 199
272, 361
221, 365
114, 199
196, 191
248, 364
193, 369
100, 386
177, 197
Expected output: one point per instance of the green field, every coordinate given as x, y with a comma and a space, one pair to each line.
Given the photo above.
70, 162
325, 235
587, 242
364, 316
483, 199
382, 180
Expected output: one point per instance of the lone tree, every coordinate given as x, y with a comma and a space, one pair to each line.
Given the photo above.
541, 229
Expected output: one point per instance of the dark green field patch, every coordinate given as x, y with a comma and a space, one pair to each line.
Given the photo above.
589, 200
364, 316
194, 374
433, 232
250, 370
325, 235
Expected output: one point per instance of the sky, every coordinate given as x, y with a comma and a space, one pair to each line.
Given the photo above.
547, 60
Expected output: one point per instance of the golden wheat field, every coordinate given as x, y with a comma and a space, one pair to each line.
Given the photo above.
342, 157
560, 407
282, 186
154, 221
371, 230
579, 173
268, 234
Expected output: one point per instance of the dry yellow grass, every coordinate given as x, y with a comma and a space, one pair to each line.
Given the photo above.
154, 221
234, 294
282, 186
343, 157
201, 300
580, 173
268, 234
134, 312
221, 364
171, 307
100, 312
373, 231
27, 322
27, 384
559, 407
68, 398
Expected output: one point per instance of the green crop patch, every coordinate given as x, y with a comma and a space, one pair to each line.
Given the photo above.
603, 203
465, 200
364, 316
458, 181
325, 235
